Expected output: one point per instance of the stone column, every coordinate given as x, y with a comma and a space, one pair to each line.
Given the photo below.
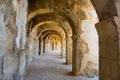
77, 56
41, 44
41, 50
36, 48
69, 47
109, 49
44, 46
63, 49
48, 46
54, 45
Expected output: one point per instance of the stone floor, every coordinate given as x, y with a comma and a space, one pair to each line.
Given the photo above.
51, 67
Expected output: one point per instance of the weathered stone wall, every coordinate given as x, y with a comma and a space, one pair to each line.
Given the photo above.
2, 39
12, 38
90, 61
108, 31
109, 50
2, 30
32, 46
8, 34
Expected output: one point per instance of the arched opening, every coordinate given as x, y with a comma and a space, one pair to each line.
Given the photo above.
54, 41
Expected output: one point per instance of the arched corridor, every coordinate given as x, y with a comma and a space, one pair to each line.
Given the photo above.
79, 38
83, 34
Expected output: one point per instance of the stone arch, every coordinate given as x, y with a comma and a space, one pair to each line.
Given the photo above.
68, 31
49, 31
61, 15
38, 21
54, 27
53, 39
52, 36
63, 37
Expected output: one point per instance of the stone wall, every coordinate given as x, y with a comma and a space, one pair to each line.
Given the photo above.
32, 46
108, 31
90, 61
12, 38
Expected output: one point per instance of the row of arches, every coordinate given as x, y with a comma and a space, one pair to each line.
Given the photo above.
67, 21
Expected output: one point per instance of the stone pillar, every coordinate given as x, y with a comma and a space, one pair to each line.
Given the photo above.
41, 44
63, 49
59, 46
50, 48
69, 47
41, 50
36, 48
117, 21
77, 56
44, 46
109, 50
47, 46
54, 45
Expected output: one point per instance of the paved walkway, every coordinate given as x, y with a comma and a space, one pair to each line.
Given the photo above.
51, 67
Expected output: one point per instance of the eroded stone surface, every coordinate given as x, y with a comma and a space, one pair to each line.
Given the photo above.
108, 46
9, 28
